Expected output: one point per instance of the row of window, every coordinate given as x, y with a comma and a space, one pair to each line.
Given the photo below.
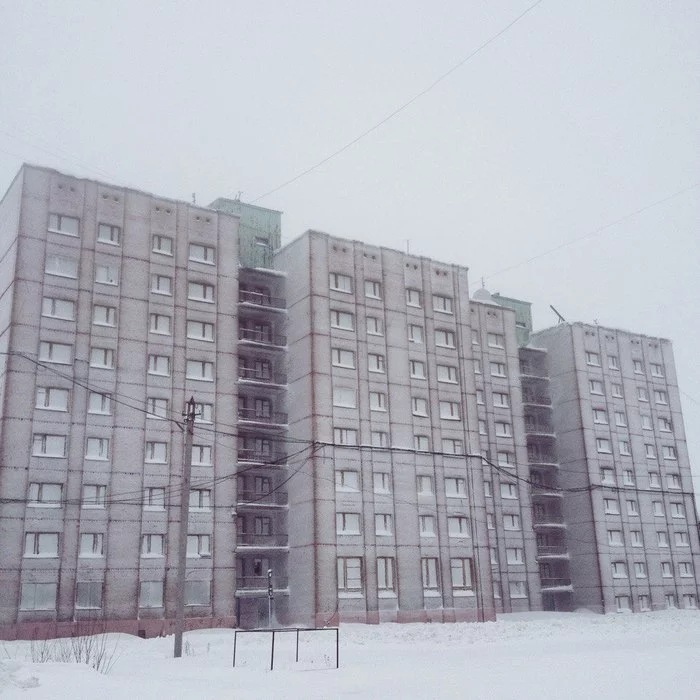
593, 359
596, 387
607, 477
91, 544
604, 446
112, 235
612, 507
350, 524
89, 595
600, 417
98, 448
680, 538
619, 569
623, 604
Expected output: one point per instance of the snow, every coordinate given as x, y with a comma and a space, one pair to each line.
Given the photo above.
524, 656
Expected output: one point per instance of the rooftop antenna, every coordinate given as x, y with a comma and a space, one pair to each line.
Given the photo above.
483, 283
408, 247
559, 316
238, 195
194, 198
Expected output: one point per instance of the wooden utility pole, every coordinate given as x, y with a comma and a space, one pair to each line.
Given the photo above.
182, 534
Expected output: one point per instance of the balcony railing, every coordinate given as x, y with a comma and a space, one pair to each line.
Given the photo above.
270, 458
558, 550
554, 582
259, 583
248, 539
536, 457
250, 374
253, 498
260, 299
253, 415
548, 519
539, 427
536, 399
262, 337
529, 370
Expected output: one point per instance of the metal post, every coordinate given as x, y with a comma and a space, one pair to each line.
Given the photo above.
182, 534
297, 659
272, 652
269, 598
337, 648
235, 639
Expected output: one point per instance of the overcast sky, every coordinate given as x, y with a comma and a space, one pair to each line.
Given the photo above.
579, 115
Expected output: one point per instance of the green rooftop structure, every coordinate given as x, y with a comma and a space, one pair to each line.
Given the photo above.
523, 316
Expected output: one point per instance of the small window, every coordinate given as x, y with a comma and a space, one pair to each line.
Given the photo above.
455, 487
458, 526
202, 253
88, 595
151, 594
385, 574
421, 443
106, 274
153, 545
640, 569
495, 340
628, 477
343, 358
661, 397
202, 455
52, 398
382, 482
642, 393
444, 339
374, 326
379, 438
200, 330
656, 370
419, 406
681, 539
662, 538
637, 367
646, 423
107, 233
38, 596
673, 481
517, 589
67, 225
426, 525
342, 320
600, 416
197, 593
344, 398
201, 370
442, 304
620, 419
480, 397
159, 364
416, 369
340, 283
500, 399
622, 603
613, 362
511, 521
603, 446
669, 452
632, 507
200, 291
97, 448
347, 523
203, 412
665, 425
514, 555
677, 510
413, 298
593, 359
503, 429
636, 538
104, 315
91, 544
44, 445
451, 446
498, 369
161, 324
615, 538
383, 524
624, 448
346, 480
59, 353
611, 506
375, 363
156, 407
157, 452
373, 290
163, 245
643, 603
154, 498
509, 491
102, 358
616, 390
449, 410
415, 333
344, 436
595, 386
424, 485
198, 546
650, 451
58, 308
41, 544
619, 569
61, 266
654, 481
162, 284
429, 574
505, 459
666, 570
45, 495
349, 574
658, 509
447, 373
377, 401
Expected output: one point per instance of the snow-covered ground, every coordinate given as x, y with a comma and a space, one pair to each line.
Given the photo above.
536, 655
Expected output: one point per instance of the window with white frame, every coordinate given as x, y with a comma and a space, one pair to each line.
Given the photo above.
662, 538
615, 538
45, 445
424, 485
200, 291
632, 507
385, 574
620, 419
67, 225
344, 397
646, 422
666, 569
681, 539
498, 369
690, 601
94, 496
41, 544
658, 508
378, 438
106, 274
38, 596
600, 416
345, 436
88, 595
514, 555
480, 397
373, 290
346, 480
611, 506
642, 393
419, 406
97, 448
482, 427
650, 451
52, 398
160, 323
377, 401
509, 490
622, 603
595, 387
197, 593
624, 447
63, 309
198, 546
677, 510
156, 452
603, 445
91, 544
154, 498
452, 446
660, 397
449, 410
102, 358
442, 304
593, 358
628, 477
657, 370
416, 369
340, 283
413, 298
342, 320
202, 253
426, 524
343, 358
202, 455
637, 367
444, 338
58, 353
156, 407
383, 524
511, 521
381, 481
447, 373
476, 339
636, 538
458, 526
108, 233
429, 573
375, 363
461, 574
455, 487
616, 391
152, 545
477, 365
619, 569
415, 333
640, 569
203, 413
685, 569
349, 574
44, 495
61, 266
505, 459
159, 364
421, 443
673, 481
162, 245
374, 326
613, 362
201, 370
500, 399
503, 429
104, 315
151, 594
669, 452
517, 589
495, 340
200, 330
665, 425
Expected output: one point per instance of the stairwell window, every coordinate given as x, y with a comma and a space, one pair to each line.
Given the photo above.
637, 367
613, 362
498, 369
200, 500
677, 510
156, 407
447, 374
413, 298
344, 397
104, 315
656, 370
421, 443
603, 446
518, 589
665, 425
503, 429
385, 575
343, 358
416, 369
202, 455
156, 452
160, 324
595, 387
600, 416
159, 364
97, 448
415, 333
91, 544
619, 569
151, 594
451, 446
383, 524
152, 545
61, 266
419, 406
511, 521
426, 525
455, 487
500, 399
377, 401
458, 526
347, 523
495, 340
669, 452
444, 338
374, 326
200, 330
449, 410
162, 284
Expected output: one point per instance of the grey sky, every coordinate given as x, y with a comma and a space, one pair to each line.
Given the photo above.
580, 114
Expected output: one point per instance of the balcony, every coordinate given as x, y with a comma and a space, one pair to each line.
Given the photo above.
255, 499
530, 370
544, 491
262, 337
555, 583
541, 458
257, 376
259, 583
261, 300
542, 428
269, 458
534, 398
252, 415
548, 520
247, 539
558, 551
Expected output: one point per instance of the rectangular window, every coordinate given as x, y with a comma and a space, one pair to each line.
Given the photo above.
97, 448
424, 485
661, 397
200, 330
600, 416
665, 425
511, 521
637, 367
426, 525
200, 291
447, 373
379, 438
58, 308
340, 283
41, 544
421, 443
374, 326
162, 284
59, 353
385, 574
689, 601
415, 333
613, 362
656, 370
620, 419
429, 573
642, 393
495, 340
595, 387
343, 358
666, 570
654, 481
154, 498
509, 490
455, 487
646, 423
650, 451
616, 390
451, 446
91, 544
52, 398
152, 545
38, 596
658, 508
416, 369
45, 495
106, 274
107, 233
156, 407
685, 569
482, 427
669, 452
449, 410
159, 364
67, 225
442, 304
345, 436
498, 369
503, 429
419, 406
375, 363
413, 298
104, 315
343, 320
458, 526
160, 323
628, 477
94, 496
201, 455
615, 538
518, 589
643, 603
611, 506
622, 603
88, 595
505, 459
619, 569
381, 482
500, 399
624, 447
377, 401
636, 538
61, 266
151, 594
461, 573
156, 452
444, 339
44, 445
603, 445
198, 546
662, 538
344, 398
373, 290
162, 245
202, 253
681, 539
349, 574
514, 555
640, 569
200, 370
632, 508
346, 480
383, 524
593, 359
477, 366
677, 510
673, 481
197, 593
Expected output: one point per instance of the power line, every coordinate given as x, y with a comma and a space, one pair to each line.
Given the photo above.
403, 106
